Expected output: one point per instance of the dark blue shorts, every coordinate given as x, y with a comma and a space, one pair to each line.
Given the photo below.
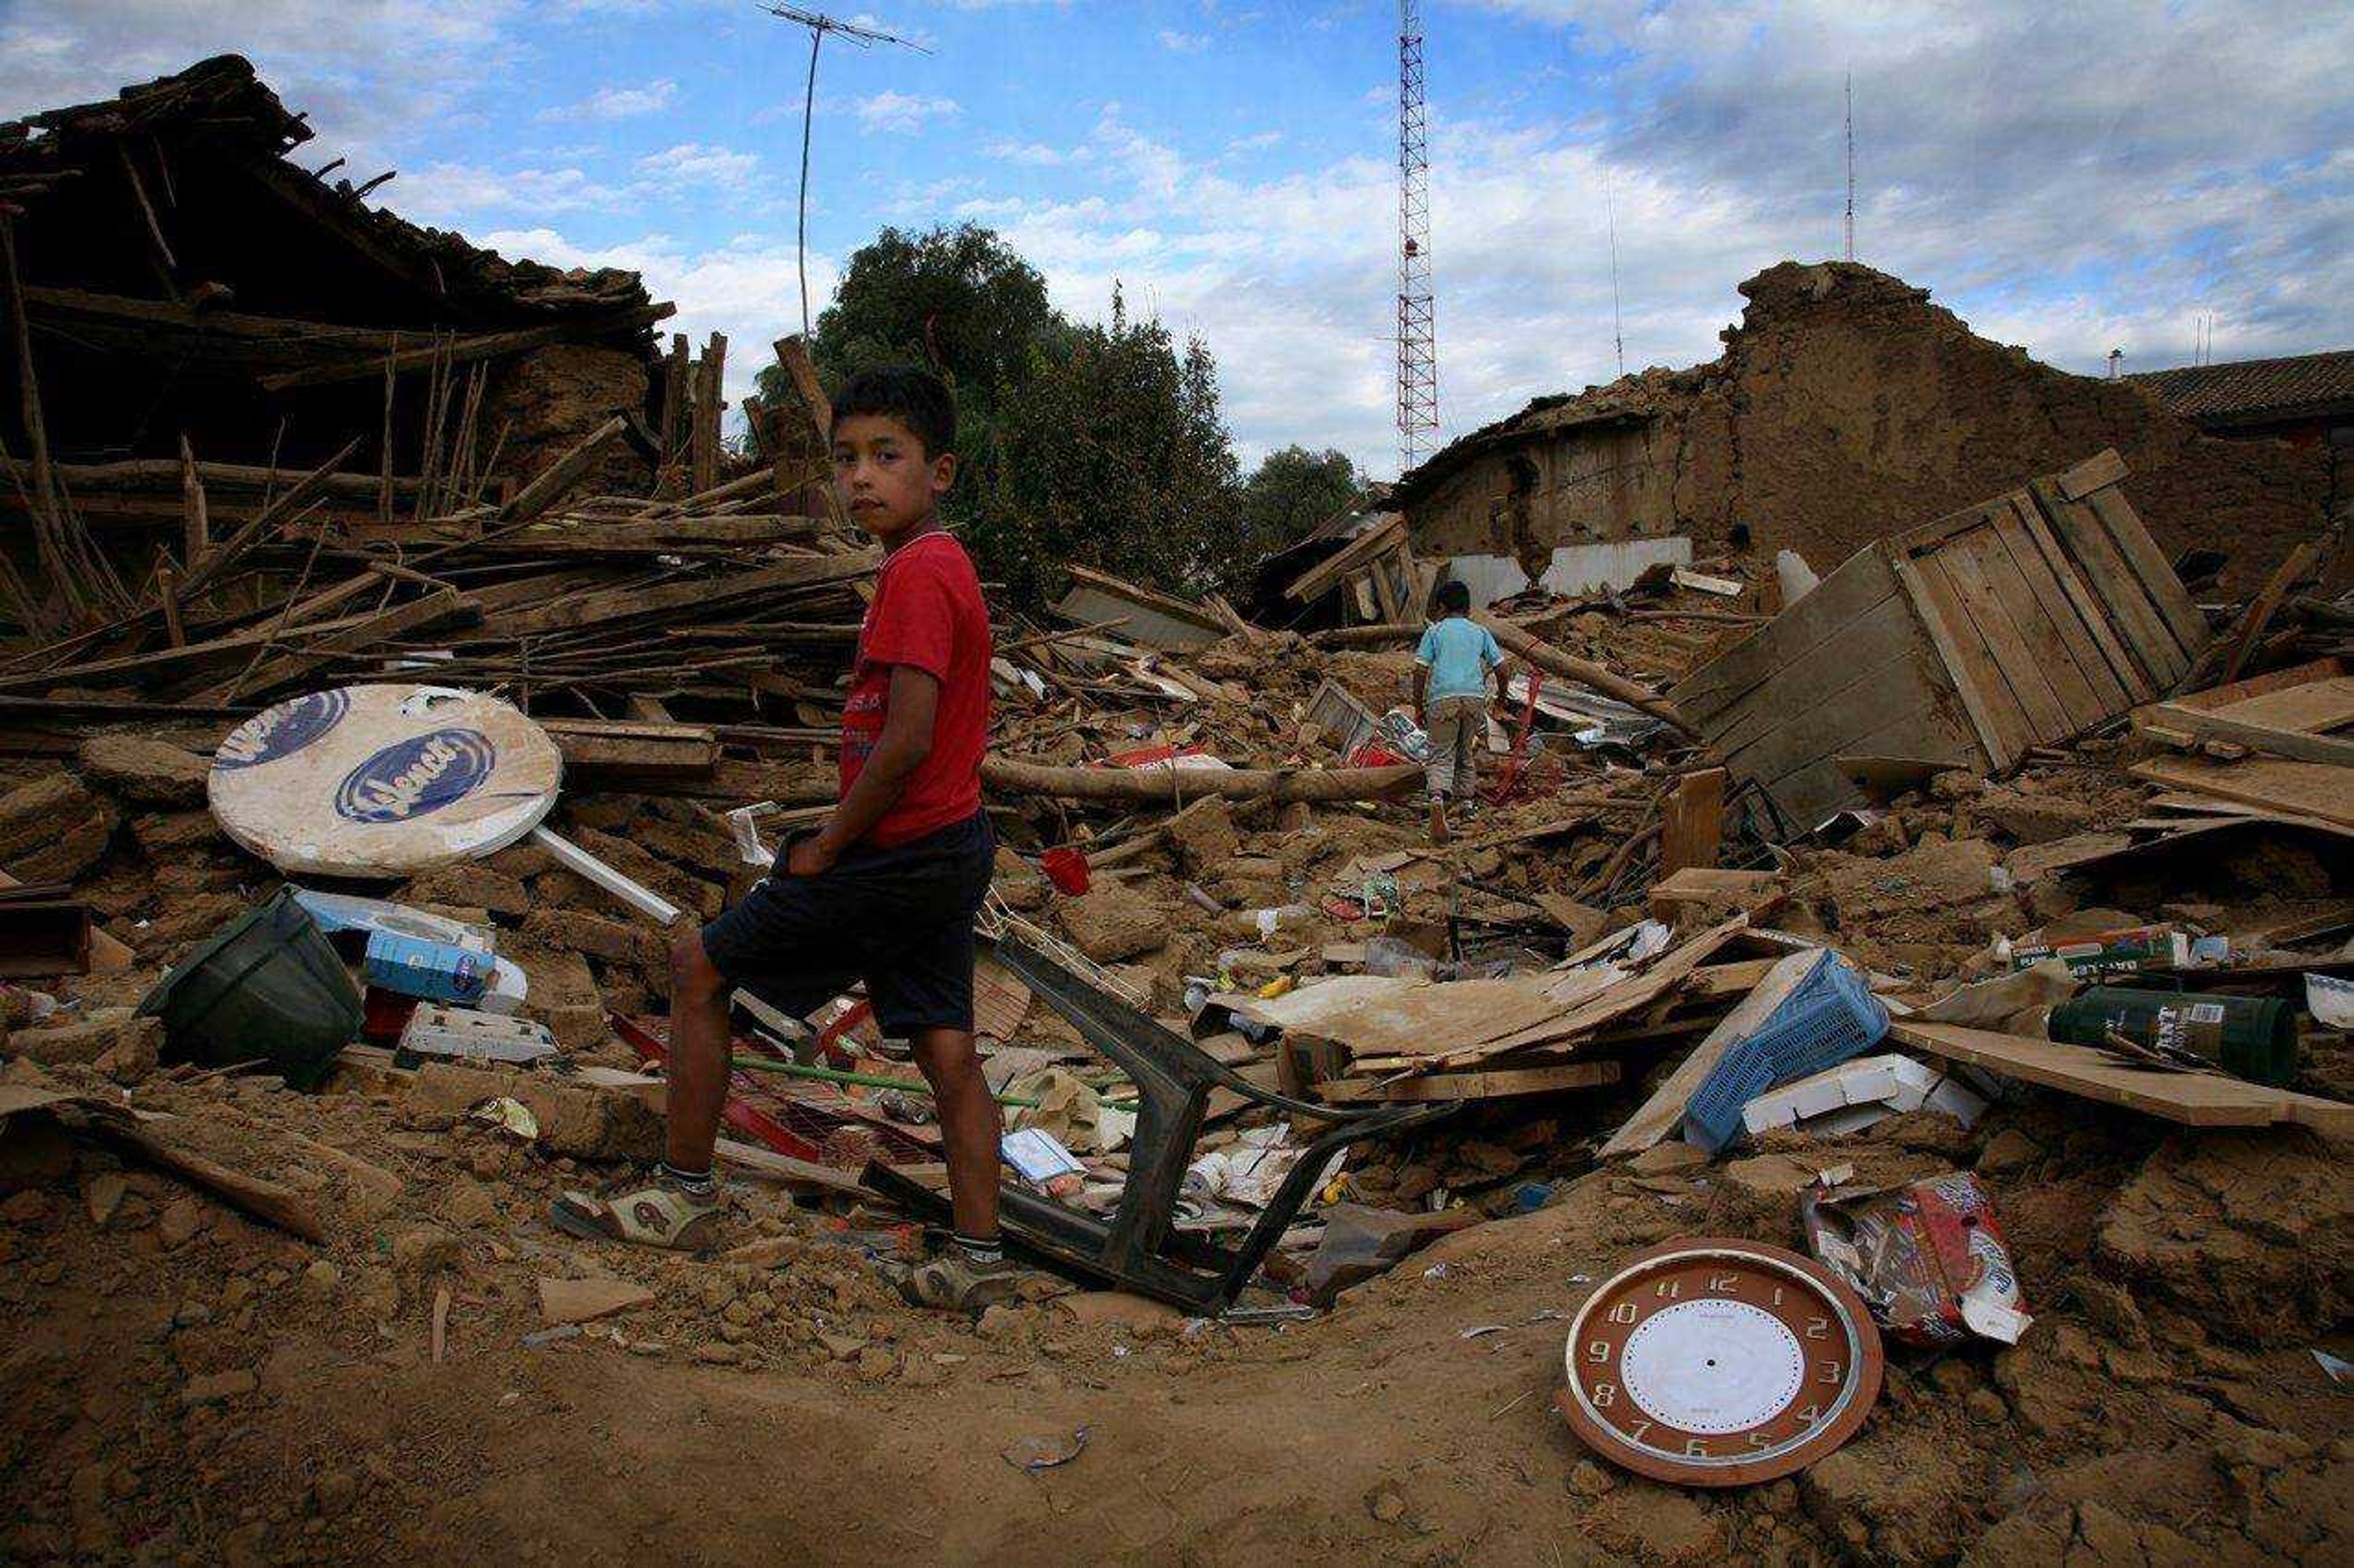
899, 918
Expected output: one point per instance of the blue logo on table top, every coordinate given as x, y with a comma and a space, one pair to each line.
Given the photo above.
414, 776
281, 731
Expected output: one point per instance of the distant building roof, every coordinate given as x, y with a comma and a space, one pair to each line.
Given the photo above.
2255, 391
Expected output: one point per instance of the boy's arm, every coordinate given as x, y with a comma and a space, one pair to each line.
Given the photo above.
1422, 696
899, 750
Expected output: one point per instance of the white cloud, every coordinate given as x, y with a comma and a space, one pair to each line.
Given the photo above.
618, 102
891, 111
447, 193
1036, 154
1180, 43
693, 163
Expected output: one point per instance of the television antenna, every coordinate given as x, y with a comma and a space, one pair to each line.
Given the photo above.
1618, 325
820, 25
1417, 332
1851, 165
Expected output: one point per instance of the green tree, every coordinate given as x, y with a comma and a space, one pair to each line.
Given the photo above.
1291, 491
956, 299
1114, 455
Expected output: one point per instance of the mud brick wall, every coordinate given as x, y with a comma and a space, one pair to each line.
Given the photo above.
549, 399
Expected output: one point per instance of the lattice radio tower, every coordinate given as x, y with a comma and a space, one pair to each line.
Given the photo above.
1417, 332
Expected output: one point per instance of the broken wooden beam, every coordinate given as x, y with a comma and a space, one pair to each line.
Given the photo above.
552, 483
1570, 667
1177, 785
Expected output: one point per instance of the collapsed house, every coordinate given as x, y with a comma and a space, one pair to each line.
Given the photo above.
1844, 407
1285, 1042
178, 287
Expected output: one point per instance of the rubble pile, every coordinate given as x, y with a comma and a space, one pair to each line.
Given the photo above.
1864, 1078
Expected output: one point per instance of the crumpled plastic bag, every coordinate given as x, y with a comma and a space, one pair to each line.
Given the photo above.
2003, 1002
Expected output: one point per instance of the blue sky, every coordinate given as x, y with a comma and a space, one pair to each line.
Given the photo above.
2070, 178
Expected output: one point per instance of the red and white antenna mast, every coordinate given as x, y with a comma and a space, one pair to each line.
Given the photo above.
1417, 332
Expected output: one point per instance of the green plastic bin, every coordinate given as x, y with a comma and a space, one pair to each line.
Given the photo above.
267, 986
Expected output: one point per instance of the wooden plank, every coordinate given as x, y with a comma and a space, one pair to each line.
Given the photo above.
1659, 1114
1494, 1085
637, 602
2242, 698
2298, 788
1589, 1006
1697, 885
2099, 471
2150, 568
2260, 608
552, 483
99, 671
636, 748
1859, 586
2001, 728
2195, 1099
2094, 620
1972, 572
320, 646
2168, 721
2080, 672
1837, 722
2114, 582
456, 351
1873, 647
1692, 821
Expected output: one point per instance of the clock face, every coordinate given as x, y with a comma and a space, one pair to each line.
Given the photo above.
1720, 1362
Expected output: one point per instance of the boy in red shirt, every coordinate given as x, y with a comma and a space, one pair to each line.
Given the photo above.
887, 890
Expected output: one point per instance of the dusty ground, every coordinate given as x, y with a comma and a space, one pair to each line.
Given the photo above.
181, 1384
185, 1385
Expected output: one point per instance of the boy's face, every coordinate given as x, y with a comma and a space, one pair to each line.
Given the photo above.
885, 481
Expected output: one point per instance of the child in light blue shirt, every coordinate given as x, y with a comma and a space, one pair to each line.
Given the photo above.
1450, 701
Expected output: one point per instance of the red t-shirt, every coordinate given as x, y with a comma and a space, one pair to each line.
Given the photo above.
928, 614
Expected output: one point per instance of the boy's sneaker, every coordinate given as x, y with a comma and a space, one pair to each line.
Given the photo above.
953, 1282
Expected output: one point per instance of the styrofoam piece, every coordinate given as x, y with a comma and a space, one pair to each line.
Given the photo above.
337, 912
383, 780
464, 1033
1857, 1093
509, 989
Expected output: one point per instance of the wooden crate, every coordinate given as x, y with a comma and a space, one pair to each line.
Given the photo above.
2023, 621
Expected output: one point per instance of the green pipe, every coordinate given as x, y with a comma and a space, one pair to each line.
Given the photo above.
877, 1081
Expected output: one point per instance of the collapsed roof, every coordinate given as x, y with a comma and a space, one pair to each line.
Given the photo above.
181, 275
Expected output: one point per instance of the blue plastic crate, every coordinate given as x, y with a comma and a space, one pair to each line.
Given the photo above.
1830, 1017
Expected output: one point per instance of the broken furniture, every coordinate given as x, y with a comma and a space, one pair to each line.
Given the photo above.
2024, 621
1139, 1247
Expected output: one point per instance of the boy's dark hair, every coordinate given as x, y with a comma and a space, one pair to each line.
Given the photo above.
916, 397
1455, 597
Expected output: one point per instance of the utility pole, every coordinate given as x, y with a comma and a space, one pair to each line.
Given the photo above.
1417, 331
819, 25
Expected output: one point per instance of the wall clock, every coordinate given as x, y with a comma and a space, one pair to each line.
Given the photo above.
1719, 1362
